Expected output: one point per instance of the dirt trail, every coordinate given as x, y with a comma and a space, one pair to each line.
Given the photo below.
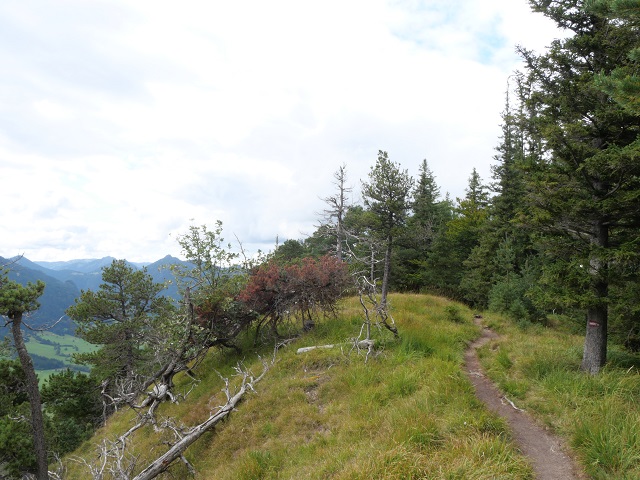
544, 450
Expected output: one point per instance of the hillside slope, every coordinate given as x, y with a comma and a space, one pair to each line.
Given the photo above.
410, 412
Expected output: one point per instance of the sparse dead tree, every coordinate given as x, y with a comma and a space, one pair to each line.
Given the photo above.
363, 262
375, 313
333, 216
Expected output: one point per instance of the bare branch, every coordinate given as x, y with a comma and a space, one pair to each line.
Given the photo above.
162, 463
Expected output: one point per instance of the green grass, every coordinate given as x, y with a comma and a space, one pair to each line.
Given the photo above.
67, 346
599, 415
409, 412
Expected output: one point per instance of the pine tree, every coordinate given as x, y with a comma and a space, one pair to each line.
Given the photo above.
387, 197
117, 317
15, 301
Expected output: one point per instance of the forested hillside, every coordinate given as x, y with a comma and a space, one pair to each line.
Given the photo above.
549, 242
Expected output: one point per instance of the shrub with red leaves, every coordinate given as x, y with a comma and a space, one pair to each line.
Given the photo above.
302, 290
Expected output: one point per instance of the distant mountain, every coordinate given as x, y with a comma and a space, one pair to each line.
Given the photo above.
86, 274
57, 297
91, 265
65, 280
160, 272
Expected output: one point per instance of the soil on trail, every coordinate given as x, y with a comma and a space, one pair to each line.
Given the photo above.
544, 450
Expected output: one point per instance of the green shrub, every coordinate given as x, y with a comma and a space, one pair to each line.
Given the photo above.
453, 313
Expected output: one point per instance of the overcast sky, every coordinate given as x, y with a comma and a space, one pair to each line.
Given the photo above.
123, 122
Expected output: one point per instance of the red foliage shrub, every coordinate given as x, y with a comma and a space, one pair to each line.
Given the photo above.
277, 291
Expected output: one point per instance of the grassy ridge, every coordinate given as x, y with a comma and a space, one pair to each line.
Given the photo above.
539, 368
410, 412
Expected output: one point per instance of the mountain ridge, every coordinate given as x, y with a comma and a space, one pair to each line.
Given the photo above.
64, 283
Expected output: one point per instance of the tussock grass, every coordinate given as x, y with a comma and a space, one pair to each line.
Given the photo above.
409, 412
599, 415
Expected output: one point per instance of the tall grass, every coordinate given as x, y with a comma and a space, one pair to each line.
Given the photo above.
408, 412
599, 415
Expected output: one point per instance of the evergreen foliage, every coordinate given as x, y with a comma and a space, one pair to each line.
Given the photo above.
117, 318
387, 196
583, 191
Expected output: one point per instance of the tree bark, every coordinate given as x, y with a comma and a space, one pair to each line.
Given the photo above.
595, 343
387, 270
37, 420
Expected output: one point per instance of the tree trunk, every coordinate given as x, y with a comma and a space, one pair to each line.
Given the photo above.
595, 343
37, 421
385, 275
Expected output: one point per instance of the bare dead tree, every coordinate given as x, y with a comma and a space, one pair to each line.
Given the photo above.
376, 313
337, 205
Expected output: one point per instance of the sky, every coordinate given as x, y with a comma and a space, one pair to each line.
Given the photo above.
124, 122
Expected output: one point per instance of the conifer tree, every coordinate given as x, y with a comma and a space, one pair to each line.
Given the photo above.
484, 269
444, 268
429, 215
117, 317
623, 83
584, 191
15, 301
386, 195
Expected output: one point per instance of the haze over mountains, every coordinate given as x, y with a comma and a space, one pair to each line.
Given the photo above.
65, 280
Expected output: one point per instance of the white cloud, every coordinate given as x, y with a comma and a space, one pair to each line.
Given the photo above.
121, 121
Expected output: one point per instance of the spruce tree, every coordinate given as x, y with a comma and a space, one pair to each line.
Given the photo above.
485, 271
445, 268
584, 191
429, 214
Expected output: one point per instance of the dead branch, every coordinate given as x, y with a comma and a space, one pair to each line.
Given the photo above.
163, 462
359, 345
113, 461
512, 404
308, 349
45, 327
367, 293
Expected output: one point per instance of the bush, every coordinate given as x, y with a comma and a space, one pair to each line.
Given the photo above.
509, 296
453, 313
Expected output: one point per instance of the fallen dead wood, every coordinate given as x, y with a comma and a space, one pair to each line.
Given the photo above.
162, 463
308, 349
511, 403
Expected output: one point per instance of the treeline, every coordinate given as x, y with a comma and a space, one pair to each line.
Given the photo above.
556, 228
